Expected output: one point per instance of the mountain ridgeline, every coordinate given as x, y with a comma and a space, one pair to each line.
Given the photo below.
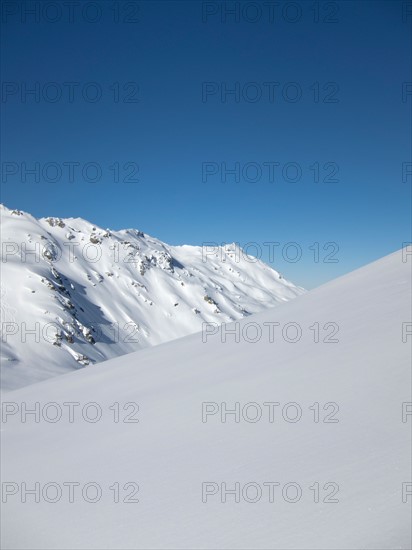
74, 294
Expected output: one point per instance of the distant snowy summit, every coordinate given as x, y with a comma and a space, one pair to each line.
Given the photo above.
73, 294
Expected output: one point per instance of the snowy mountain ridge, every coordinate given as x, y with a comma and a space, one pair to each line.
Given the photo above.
75, 294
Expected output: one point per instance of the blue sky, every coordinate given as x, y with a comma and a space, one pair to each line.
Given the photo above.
337, 107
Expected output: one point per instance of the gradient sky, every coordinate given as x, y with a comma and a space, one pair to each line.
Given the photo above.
362, 49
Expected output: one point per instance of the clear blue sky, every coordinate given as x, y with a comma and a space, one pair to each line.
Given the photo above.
359, 123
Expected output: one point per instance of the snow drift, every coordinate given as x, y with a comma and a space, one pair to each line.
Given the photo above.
290, 429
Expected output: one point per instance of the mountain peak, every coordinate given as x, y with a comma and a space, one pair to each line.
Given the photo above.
75, 294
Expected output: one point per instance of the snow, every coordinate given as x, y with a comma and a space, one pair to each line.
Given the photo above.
74, 294
170, 453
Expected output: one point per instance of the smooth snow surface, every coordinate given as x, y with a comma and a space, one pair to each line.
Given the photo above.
170, 452
74, 294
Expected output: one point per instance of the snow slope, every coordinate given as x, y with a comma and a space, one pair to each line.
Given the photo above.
74, 294
360, 463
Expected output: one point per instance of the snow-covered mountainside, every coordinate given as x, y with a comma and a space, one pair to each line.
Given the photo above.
74, 294
298, 440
